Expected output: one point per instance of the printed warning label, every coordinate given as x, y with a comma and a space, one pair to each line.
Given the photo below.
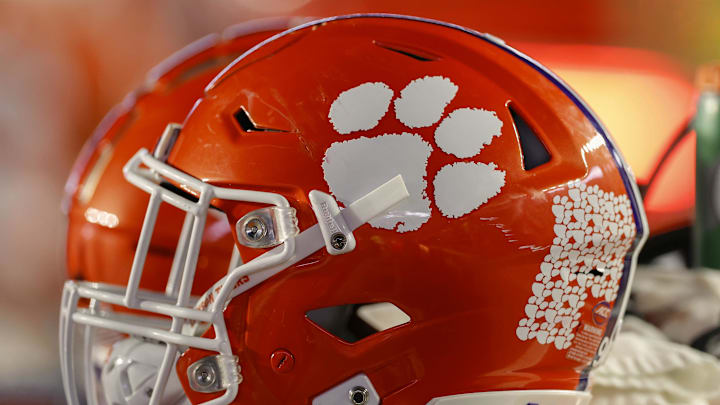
586, 342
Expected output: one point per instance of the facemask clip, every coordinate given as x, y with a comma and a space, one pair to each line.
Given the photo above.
214, 373
267, 227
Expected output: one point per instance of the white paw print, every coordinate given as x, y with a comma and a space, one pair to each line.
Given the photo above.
593, 231
355, 167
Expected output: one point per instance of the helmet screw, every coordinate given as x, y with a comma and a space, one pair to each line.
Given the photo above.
359, 395
338, 241
282, 361
255, 229
205, 375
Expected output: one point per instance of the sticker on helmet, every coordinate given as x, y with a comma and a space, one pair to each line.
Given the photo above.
593, 231
423, 101
360, 108
601, 313
460, 187
466, 131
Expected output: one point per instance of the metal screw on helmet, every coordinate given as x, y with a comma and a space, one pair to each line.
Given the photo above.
338, 241
255, 229
282, 361
205, 376
214, 373
359, 395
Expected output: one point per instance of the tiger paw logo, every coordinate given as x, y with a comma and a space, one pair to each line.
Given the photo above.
356, 166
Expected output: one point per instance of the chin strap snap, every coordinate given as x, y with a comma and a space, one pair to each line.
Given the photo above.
338, 237
337, 225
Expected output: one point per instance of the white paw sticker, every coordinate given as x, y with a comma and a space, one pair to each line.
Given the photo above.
346, 164
466, 131
476, 182
422, 102
360, 108
593, 232
355, 167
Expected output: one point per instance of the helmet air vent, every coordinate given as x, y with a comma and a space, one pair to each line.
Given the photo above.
417, 54
534, 152
355, 322
248, 125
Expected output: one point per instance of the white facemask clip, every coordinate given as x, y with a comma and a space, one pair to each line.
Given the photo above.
267, 227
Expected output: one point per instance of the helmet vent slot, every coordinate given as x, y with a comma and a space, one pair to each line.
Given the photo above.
355, 322
417, 54
248, 125
534, 152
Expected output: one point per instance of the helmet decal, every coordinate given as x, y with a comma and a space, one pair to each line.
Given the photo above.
466, 131
360, 108
377, 158
594, 230
463, 133
423, 101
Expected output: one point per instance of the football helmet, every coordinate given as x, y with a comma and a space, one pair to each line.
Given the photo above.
424, 216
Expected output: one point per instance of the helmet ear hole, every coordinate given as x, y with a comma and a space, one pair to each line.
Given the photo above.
534, 152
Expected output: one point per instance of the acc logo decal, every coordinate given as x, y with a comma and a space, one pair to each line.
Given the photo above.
354, 167
601, 313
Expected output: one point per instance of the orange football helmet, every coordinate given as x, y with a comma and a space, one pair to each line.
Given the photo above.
424, 216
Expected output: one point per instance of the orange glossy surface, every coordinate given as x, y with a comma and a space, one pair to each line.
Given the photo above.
106, 213
464, 283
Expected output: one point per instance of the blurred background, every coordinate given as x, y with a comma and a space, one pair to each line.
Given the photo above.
65, 63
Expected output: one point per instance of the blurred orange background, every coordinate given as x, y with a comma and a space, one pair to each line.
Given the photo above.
63, 64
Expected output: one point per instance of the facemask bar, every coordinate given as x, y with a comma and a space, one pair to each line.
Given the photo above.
176, 302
